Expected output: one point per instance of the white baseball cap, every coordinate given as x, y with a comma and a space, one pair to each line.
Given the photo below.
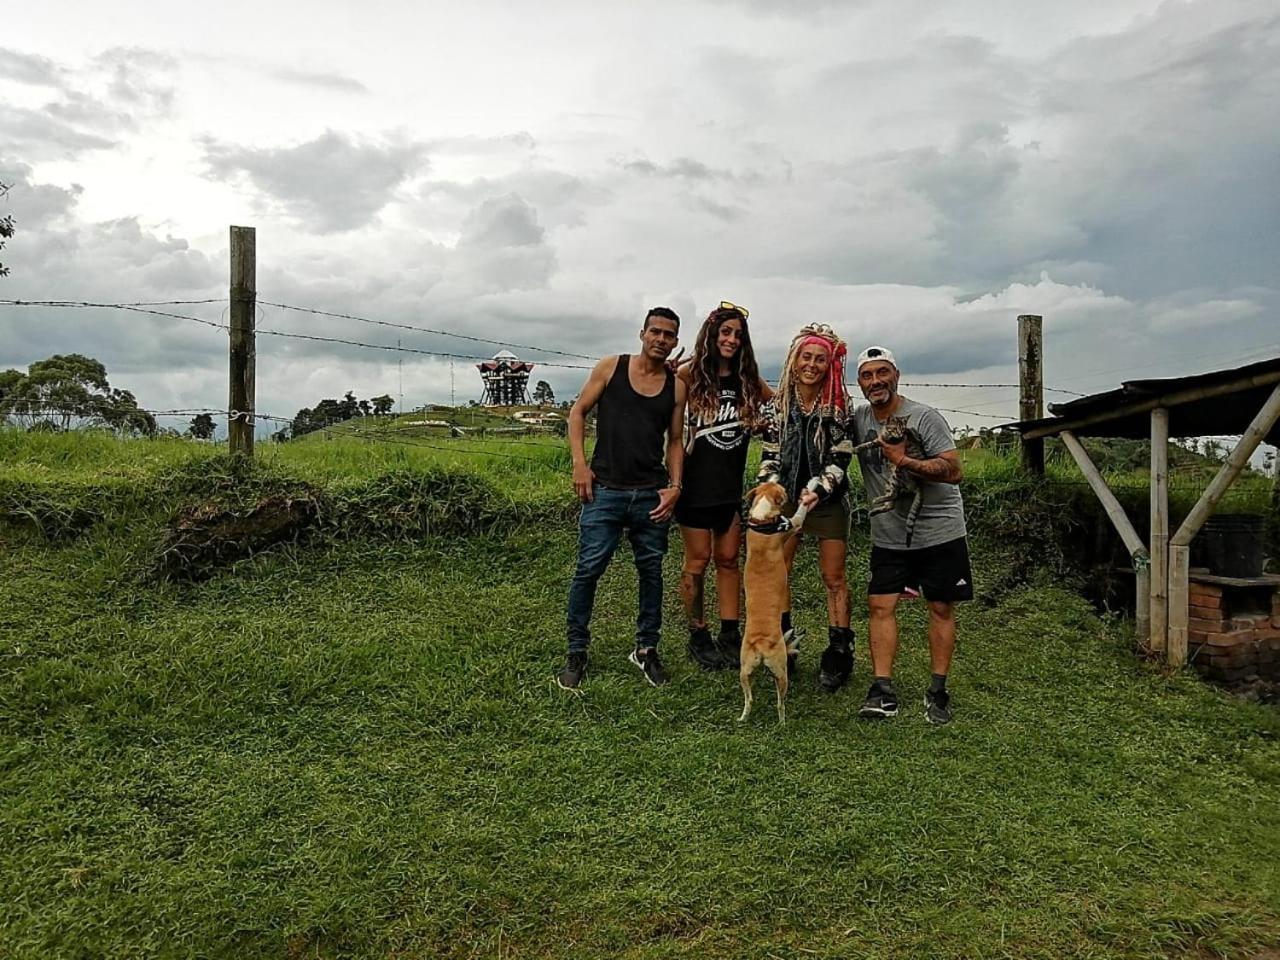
876, 353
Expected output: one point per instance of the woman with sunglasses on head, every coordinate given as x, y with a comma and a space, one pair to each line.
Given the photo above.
726, 396
807, 449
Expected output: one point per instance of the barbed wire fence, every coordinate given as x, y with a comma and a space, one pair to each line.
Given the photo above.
246, 311
149, 307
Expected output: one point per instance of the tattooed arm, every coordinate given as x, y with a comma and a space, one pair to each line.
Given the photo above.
929, 451
944, 468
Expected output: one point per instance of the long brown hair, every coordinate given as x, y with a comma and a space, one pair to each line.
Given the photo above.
704, 375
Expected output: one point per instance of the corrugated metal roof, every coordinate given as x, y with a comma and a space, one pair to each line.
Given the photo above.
1220, 402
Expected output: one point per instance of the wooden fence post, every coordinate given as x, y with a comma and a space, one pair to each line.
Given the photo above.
1159, 528
243, 296
1031, 386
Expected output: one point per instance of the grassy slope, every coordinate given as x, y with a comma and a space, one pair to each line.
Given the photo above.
358, 751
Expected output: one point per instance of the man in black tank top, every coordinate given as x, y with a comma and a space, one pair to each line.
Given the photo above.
627, 486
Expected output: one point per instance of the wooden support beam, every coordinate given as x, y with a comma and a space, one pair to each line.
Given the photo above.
243, 294
1180, 543
1142, 611
1226, 476
1133, 543
1159, 529
1179, 587
1031, 386
1119, 519
1268, 379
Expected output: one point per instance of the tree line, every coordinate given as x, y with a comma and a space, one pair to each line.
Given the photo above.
330, 411
68, 390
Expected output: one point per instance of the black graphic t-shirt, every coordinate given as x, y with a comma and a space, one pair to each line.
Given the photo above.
715, 462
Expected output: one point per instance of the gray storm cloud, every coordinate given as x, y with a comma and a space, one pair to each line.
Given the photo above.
333, 183
920, 191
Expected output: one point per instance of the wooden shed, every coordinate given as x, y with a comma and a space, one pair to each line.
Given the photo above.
1242, 401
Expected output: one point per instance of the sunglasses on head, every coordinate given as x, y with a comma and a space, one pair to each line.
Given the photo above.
726, 305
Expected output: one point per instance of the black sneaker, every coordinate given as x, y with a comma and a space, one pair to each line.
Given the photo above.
570, 677
836, 664
880, 703
703, 650
937, 708
729, 644
650, 665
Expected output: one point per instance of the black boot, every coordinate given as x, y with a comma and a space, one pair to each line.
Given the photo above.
729, 644
837, 660
702, 649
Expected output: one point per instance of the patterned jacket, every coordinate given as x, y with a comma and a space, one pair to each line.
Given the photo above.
824, 439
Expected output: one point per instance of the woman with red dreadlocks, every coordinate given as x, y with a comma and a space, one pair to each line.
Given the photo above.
807, 450
726, 397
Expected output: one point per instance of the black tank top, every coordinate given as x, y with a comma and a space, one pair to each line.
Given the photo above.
714, 466
630, 432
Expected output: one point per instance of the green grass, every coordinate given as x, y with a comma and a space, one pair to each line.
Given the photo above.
92, 456
356, 750
63, 483
1189, 476
531, 466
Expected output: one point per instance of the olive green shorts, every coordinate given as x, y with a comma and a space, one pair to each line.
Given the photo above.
829, 521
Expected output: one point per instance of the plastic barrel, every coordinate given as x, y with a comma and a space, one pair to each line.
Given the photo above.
1232, 545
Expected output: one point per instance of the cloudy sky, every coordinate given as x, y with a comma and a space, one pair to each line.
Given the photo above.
916, 174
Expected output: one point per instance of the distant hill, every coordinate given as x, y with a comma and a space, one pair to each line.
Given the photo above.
441, 421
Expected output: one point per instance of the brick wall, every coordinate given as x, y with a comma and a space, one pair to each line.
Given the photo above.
1233, 646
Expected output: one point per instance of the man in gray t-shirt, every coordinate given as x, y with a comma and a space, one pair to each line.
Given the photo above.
910, 469
939, 516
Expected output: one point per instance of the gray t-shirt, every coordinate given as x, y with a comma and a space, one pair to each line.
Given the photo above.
941, 516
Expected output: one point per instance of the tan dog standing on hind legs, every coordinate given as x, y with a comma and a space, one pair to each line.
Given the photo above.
765, 579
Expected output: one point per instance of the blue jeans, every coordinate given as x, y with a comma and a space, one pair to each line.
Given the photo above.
599, 529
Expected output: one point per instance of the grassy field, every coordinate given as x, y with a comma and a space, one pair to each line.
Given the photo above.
354, 749
526, 467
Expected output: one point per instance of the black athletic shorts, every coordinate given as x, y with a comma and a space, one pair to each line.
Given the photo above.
717, 518
941, 571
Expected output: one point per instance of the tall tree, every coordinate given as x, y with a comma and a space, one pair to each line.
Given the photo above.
202, 426
542, 394
122, 414
382, 405
302, 422
6, 229
329, 411
70, 387
8, 382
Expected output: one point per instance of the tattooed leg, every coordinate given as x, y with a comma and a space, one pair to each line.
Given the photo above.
697, 554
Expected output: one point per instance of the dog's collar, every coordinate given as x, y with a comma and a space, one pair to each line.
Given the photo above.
778, 525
